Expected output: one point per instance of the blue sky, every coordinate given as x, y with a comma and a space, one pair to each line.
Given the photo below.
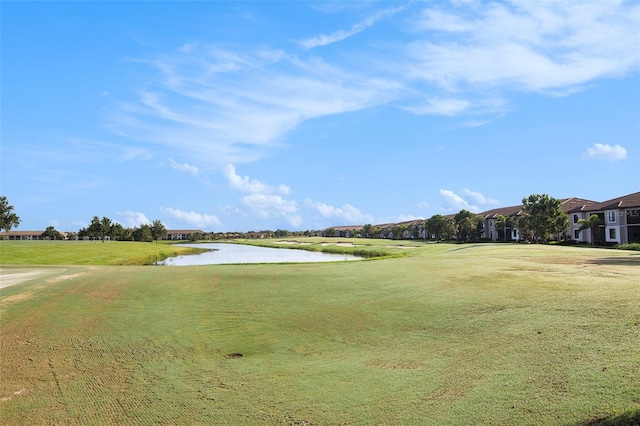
238, 116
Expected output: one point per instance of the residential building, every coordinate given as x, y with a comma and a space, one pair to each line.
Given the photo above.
619, 221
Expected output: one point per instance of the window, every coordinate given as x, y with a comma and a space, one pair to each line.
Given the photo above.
491, 223
633, 217
575, 218
612, 234
576, 235
611, 216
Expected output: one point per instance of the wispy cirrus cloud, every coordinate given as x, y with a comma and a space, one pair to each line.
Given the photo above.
546, 47
326, 39
221, 106
217, 104
600, 151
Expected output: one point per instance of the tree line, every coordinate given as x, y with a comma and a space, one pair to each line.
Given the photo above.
541, 219
103, 228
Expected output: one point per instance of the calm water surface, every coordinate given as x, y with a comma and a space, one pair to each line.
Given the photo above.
221, 253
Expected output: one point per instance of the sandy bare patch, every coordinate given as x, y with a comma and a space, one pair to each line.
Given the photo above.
287, 242
326, 244
394, 365
345, 244
15, 276
66, 277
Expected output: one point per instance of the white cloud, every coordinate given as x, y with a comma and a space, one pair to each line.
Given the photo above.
469, 200
184, 167
347, 213
401, 218
606, 152
220, 105
269, 205
226, 107
549, 47
423, 205
323, 40
446, 107
478, 198
192, 218
454, 203
133, 219
251, 186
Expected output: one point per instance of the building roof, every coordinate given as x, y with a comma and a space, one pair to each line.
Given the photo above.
185, 231
23, 233
575, 204
504, 211
624, 202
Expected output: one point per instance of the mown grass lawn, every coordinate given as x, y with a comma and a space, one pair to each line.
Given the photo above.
446, 335
86, 252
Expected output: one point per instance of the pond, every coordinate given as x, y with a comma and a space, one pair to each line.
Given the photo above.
220, 254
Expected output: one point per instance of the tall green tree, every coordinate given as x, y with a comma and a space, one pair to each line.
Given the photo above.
367, 229
593, 223
143, 233
158, 231
436, 225
544, 216
99, 228
8, 219
466, 225
117, 231
51, 234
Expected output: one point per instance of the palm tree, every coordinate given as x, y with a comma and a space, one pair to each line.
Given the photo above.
501, 222
593, 223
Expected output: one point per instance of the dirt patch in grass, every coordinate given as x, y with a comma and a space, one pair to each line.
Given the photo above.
394, 365
617, 261
16, 276
66, 277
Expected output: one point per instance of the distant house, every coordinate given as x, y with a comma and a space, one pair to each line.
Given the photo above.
619, 223
508, 232
21, 235
493, 231
185, 234
619, 220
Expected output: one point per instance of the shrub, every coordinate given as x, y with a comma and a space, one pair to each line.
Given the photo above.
630, 246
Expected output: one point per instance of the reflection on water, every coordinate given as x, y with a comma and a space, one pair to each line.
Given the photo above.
236, 253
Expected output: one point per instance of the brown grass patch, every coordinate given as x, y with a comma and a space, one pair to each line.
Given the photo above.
394, 365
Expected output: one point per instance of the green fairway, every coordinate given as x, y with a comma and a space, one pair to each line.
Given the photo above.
86, 252
445, 335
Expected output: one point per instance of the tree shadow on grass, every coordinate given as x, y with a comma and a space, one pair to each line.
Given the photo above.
631, 418
618, 261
